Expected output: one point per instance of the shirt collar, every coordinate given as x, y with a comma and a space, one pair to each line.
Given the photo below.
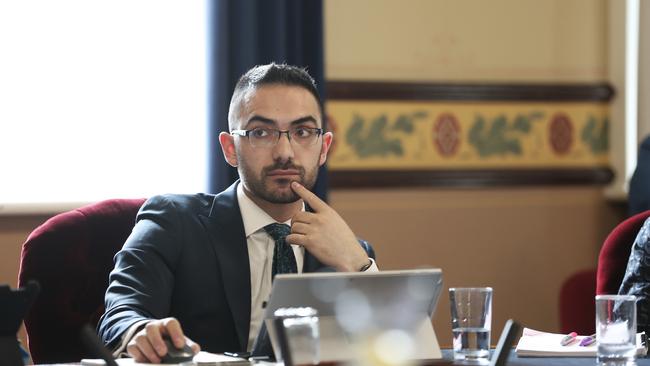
253, 216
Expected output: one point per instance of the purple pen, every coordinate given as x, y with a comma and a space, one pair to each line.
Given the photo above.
588, 341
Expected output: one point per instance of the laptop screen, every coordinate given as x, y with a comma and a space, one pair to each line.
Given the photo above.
351, 304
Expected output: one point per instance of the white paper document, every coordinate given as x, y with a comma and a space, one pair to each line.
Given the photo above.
534, 343
202, 357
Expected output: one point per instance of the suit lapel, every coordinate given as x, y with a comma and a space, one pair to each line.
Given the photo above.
226, 229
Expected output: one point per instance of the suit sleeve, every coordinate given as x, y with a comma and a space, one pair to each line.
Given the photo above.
636, 280
141, 282
368, 248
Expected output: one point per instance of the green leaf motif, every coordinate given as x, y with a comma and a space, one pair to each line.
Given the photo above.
371, 139
499, 136
403, 123
595, 135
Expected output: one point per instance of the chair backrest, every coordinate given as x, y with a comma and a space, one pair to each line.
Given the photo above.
577, 304
71, 255
615, 253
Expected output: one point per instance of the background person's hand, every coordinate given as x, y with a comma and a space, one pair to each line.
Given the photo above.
325, 234
148, 345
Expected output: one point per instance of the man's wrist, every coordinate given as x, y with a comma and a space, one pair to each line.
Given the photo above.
128, 335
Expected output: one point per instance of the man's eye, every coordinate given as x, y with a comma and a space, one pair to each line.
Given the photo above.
259, 132
302, 132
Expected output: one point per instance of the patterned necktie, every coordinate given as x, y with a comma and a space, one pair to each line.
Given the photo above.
283, 259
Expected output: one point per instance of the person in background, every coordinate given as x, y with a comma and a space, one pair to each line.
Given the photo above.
198, 268
636, 280
639, 193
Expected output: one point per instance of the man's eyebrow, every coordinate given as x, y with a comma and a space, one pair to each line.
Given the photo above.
304, 120
257, 118
268, 121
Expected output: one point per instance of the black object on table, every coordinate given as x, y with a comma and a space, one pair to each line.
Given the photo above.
14, 304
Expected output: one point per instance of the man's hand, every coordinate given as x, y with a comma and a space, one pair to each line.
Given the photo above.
325, 234
148, 345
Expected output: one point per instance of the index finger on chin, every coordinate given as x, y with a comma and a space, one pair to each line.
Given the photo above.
308, 196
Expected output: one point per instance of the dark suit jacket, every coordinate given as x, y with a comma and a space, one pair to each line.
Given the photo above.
187, 257
639, 194
636, 280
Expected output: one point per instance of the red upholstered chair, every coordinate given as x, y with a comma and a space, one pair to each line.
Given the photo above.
615, 252
71, 255
577, 305
577, 312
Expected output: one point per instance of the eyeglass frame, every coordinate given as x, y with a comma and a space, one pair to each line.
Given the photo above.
319, 132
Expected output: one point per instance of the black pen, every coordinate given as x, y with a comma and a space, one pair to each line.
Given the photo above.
258, 358
238, 354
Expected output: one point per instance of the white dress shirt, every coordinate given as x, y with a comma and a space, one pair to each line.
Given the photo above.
260, 257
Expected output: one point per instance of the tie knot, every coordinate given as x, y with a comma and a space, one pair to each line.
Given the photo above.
277, 231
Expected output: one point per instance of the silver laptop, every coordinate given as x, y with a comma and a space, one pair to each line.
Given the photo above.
352, 305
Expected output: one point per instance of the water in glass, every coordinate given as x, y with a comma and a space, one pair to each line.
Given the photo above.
471, 343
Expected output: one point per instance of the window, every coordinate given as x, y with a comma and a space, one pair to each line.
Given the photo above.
100, 99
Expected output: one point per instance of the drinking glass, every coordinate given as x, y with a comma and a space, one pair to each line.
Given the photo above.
471, 322
300, 334
616, 329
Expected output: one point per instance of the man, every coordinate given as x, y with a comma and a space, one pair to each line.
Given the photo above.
206, 262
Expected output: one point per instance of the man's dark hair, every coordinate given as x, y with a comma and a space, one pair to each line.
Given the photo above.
272, 74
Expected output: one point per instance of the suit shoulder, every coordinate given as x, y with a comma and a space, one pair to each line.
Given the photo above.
197, 203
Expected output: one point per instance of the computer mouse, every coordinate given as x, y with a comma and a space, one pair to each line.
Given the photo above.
177, 355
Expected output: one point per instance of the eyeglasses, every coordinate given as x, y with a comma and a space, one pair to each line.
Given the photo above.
269, 137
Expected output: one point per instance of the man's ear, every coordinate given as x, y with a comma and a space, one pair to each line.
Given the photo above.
327, 142
227, 142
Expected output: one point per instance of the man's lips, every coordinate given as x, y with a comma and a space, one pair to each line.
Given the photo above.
283, 172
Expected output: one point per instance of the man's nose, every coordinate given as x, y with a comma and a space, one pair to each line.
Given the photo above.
283, 150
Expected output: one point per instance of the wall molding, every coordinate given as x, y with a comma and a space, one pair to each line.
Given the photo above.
466, 178
479, 92
365, 90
